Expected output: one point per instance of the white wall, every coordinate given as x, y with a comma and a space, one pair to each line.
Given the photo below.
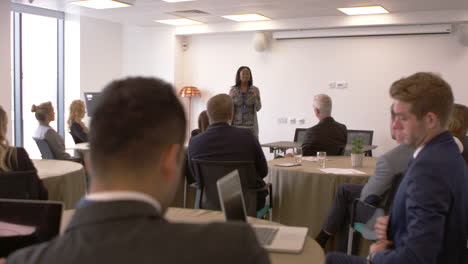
148, 52
100, 53
293, 71
5, 63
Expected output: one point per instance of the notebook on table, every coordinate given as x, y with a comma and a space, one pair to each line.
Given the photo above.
273, 238
27, 222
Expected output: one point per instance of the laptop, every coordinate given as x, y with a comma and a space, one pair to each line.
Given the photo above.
27, 222
91, 100
285, 239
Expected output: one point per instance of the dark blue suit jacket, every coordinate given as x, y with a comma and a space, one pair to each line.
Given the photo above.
223, 142
429, 215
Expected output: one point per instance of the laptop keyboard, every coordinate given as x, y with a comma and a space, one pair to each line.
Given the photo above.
265, 235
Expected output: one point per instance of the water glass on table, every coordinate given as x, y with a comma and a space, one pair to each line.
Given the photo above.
321, 158
297, 156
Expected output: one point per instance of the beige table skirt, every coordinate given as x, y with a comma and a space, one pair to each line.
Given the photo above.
312, 253
303, 195
64, 180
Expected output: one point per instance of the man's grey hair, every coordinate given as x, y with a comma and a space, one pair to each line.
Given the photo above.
323, 103
219, 108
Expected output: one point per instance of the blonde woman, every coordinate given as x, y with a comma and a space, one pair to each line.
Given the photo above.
17, 159
77, 128
45, 114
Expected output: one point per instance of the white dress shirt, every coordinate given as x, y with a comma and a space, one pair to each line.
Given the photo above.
124, 196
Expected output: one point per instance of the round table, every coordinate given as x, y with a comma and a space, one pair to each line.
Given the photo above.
64, 180
312, 252
303, 195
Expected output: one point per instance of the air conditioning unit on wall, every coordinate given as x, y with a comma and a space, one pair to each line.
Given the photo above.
364, 31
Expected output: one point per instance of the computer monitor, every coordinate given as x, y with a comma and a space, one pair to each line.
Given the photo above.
91, 100
27, 222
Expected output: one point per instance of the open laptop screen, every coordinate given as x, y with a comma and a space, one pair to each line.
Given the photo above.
231, 198
27, 222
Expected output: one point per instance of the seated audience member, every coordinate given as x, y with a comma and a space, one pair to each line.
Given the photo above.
328, 135
458, 126
203, 123
78, 129
45, 114
429, 215
224, 142
388, 166
17, 159
135, 173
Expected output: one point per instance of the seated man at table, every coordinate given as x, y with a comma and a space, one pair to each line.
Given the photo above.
223, 142
136, 139
428, 220
328, 135
389, 165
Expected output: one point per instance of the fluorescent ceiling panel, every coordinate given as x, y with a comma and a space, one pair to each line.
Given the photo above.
363, 10
247, 17
179, 22
101, 4
175, 1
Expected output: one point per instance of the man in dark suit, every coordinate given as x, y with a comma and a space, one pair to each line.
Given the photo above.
328, 135
428, 221
136, 138
223, 142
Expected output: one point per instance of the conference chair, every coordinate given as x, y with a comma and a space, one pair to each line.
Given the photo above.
76, 139
299, 134
366, 135
208, 172
17, 185
44, 148
364, 214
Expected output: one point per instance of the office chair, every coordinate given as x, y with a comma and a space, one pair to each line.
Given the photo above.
44, 148
208, 172
18, 185
299, 134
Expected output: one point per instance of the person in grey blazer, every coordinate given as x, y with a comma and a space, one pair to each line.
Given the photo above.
388, 166
45, 114
135, 175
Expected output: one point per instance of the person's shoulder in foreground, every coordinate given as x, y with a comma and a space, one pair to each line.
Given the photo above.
145, 239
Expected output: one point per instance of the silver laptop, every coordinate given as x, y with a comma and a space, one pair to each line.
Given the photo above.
27, 222
273, 238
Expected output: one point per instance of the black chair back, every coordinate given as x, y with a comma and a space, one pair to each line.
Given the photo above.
76, 139
44, 148
17, 185
366, 135
208, 172
300, 134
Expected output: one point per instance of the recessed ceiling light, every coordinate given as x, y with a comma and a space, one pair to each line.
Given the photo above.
363, 10
101, 4
175, 1
247, 17
179, 22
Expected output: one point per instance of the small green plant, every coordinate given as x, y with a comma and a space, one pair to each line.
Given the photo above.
357, 145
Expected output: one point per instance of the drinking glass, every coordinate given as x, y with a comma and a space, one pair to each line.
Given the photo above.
321, 158
297, 156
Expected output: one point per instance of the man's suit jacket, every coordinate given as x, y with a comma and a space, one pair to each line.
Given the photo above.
223, 142
328, 135
388, 166
429, 216
123, 232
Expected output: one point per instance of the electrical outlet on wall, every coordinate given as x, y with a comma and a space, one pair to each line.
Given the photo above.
292, 120
301, 121
341, 85
332, 85
282, 120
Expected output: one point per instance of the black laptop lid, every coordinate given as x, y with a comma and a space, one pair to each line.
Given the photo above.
27, 222
231, 197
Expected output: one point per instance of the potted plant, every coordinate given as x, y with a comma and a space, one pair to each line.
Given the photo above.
357, 153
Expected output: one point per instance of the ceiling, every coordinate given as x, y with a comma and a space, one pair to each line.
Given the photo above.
143, 12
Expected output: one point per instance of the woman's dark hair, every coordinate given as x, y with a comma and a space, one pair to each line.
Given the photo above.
203, 121
238, 81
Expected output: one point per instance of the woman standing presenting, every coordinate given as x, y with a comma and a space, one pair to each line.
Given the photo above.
246, 99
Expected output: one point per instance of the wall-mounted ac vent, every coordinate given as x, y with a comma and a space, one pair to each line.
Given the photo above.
188, 13
364, 31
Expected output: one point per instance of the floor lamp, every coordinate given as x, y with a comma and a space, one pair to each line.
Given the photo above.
189, 92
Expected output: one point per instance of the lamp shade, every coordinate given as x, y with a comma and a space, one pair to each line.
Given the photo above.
190, 91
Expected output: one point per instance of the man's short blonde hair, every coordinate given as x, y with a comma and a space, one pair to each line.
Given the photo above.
219, 108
